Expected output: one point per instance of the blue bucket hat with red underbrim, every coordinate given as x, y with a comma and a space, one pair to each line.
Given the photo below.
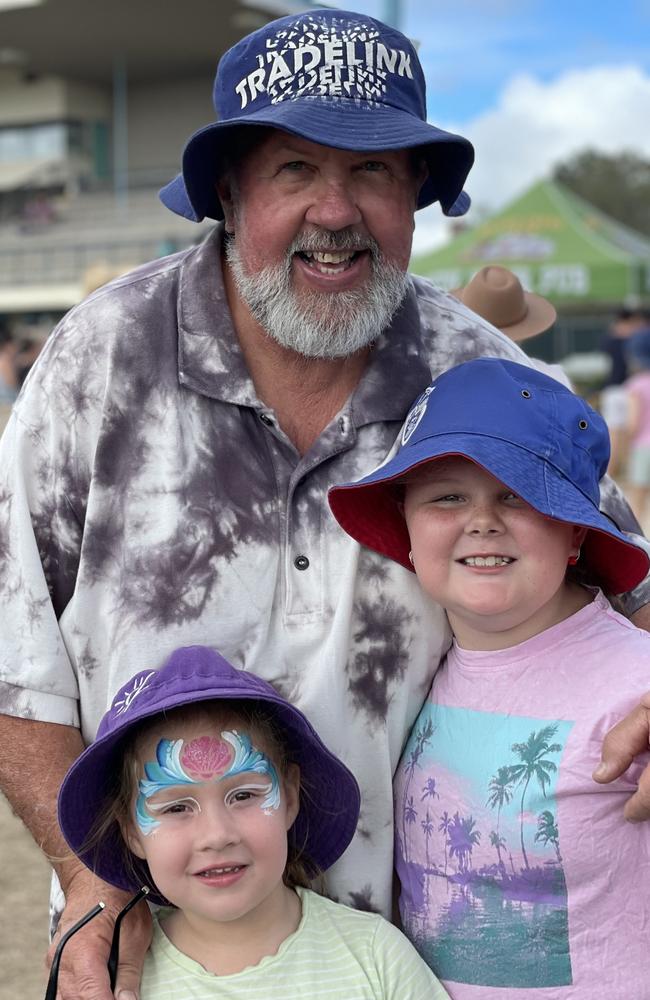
334, 77
327, 818
530, 432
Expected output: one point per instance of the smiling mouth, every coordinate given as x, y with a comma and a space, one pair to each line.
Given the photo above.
487, 561
329, 262
224, 870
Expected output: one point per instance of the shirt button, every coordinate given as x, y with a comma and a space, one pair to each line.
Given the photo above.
266, 419
301, 562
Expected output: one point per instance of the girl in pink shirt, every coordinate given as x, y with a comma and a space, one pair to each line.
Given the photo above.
519, 876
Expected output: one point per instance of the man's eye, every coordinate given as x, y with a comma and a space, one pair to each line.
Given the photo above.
374, 165
294, 166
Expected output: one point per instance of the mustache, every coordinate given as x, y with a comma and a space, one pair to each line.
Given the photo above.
332, 240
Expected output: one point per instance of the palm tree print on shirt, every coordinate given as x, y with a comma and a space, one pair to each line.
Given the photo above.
480, 860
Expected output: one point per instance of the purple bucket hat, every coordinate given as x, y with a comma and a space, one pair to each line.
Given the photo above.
334, 77
327, 818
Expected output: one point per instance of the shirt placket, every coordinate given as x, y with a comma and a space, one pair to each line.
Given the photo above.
304, 515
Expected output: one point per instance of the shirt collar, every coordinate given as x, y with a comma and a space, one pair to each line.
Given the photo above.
210, 360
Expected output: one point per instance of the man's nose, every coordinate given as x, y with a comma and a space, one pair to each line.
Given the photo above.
334, 205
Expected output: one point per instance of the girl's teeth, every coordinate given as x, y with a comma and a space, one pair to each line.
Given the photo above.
487, 561
220, 871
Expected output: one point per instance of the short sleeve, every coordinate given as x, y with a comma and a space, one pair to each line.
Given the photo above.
402, 973
40, 538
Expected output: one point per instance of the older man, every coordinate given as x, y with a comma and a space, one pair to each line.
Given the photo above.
165, 473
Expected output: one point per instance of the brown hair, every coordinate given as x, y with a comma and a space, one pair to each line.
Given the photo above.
299, 869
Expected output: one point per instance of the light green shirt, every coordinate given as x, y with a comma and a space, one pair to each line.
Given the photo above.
336, 952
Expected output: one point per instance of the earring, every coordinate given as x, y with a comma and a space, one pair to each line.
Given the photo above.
411, 558
573, 559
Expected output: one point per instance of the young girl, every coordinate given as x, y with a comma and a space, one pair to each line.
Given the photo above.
519, 877
207, 786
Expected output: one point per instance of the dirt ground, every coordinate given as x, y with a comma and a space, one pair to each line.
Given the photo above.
24, 891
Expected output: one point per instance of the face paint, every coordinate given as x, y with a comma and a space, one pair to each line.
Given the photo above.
198, 761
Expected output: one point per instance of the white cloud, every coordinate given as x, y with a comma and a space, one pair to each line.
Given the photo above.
538, 124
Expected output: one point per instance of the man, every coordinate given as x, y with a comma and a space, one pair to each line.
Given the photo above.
167, 466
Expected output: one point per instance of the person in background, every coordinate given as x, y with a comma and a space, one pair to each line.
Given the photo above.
502, 835
497, 294
207, 787
637, 389
8, 375
613, 397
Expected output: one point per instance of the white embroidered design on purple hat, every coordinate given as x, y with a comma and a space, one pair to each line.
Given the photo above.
139, 684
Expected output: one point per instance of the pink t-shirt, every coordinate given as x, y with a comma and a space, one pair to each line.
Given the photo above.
639, 386
520, 877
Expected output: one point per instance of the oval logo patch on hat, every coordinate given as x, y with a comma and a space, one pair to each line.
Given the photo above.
416, 414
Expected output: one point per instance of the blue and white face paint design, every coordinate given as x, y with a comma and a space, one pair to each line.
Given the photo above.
198, 761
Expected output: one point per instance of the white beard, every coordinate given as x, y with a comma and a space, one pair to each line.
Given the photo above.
321, 324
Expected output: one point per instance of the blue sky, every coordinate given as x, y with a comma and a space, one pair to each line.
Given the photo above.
530, 83
471, 48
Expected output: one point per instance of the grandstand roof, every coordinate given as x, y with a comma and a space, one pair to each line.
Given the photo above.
80, 39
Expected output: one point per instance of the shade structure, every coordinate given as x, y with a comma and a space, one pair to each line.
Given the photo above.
559, 245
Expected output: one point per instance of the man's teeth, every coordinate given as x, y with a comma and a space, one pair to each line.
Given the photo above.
328, 263
330, 258
487, 560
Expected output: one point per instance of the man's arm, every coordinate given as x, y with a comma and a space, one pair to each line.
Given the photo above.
628, 738
36, 756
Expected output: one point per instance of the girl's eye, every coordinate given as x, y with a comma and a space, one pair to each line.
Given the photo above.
175, 809
242, 796
448, 498
246, 793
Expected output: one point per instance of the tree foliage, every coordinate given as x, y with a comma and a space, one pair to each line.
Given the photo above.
618, 185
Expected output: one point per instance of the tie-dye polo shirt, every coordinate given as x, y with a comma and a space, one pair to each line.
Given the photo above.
150, 500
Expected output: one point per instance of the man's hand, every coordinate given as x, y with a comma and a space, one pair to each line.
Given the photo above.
83, 973
628, 738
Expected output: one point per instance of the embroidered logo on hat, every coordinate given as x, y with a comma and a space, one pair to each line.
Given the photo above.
346, 59
125, 698
416, 414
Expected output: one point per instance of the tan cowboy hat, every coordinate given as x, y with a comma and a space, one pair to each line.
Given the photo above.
496, 294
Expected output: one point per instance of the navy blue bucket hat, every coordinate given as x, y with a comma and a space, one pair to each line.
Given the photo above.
328, 815
530, 432
331, 76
